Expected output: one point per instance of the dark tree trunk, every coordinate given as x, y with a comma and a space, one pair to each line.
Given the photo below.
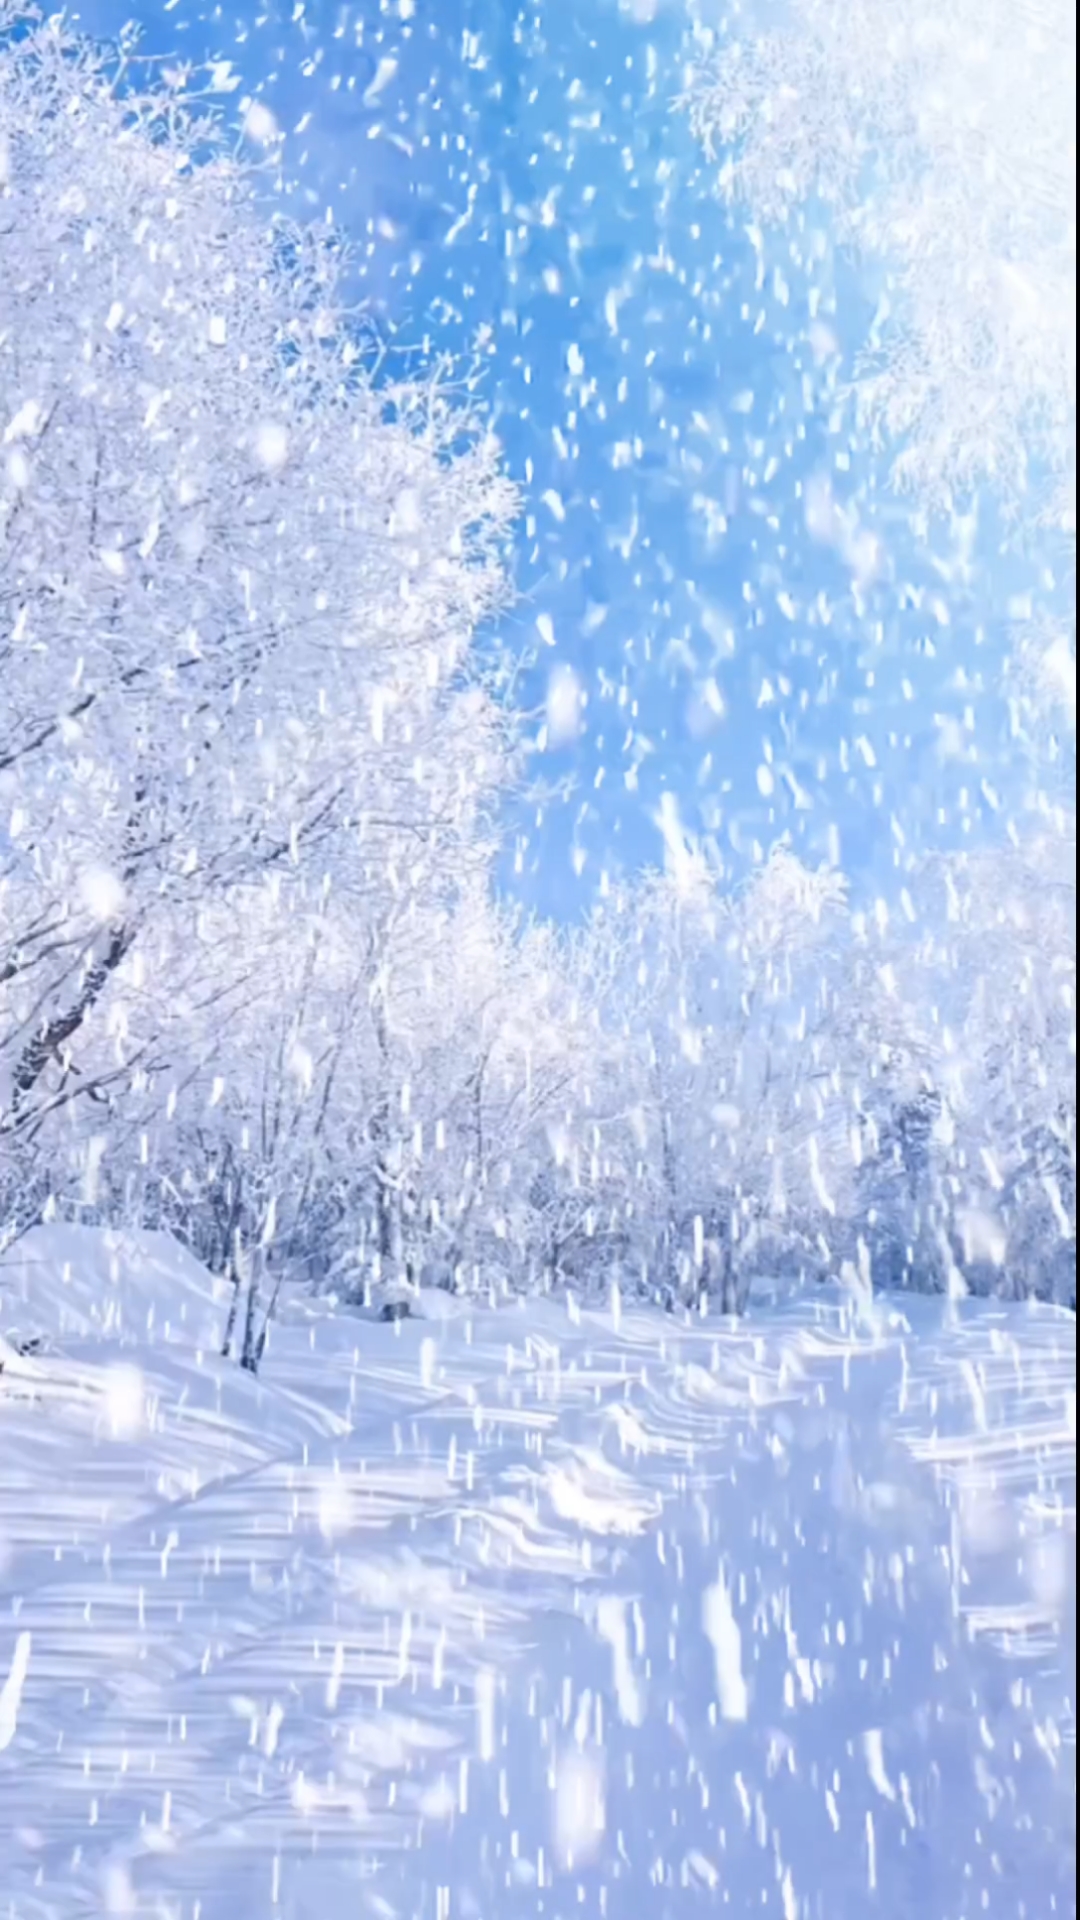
234, 1314
249, 1355
46, 1044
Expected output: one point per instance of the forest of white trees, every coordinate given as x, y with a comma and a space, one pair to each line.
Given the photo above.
257, 984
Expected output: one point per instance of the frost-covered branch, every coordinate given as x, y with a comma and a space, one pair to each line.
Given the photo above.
939, 141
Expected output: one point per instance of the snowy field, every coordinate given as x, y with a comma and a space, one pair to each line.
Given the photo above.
529, 1611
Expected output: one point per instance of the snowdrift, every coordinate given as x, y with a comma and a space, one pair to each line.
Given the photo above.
64, 1284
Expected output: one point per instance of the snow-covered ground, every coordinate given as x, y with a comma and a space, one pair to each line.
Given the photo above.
529, 1611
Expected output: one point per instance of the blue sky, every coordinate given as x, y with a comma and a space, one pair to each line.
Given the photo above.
520, 193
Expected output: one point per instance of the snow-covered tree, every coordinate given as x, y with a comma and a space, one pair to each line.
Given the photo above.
954, 1036
939, 138
936, 143
889, 1042
238, 584
1014, 936
518, 1104
715, 1003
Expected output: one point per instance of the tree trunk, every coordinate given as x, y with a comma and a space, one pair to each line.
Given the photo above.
719, 1277
670, 1237
46, 1045
249, 1356
234, 1314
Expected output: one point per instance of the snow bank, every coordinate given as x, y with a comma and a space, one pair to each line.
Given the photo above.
64, 1283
